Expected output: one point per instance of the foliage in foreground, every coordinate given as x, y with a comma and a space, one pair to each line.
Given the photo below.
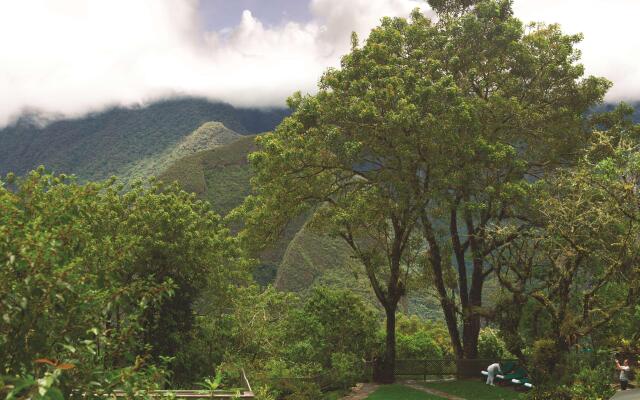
104, 282
300, 346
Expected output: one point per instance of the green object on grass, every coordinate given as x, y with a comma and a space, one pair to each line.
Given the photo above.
507, 367
518, 373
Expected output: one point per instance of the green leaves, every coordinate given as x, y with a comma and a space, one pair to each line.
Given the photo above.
431, 129
96, 277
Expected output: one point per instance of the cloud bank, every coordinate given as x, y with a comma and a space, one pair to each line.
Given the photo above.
611, 45
73, 56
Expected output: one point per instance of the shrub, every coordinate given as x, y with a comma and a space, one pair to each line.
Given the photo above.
545, 357
491, 346
420, 345
548, 393
592, 383
100, 279
420, 339
346, 369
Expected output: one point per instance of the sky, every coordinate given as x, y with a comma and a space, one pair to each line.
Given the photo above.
70, 57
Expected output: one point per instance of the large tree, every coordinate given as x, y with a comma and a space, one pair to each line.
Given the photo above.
421, 139
525, 96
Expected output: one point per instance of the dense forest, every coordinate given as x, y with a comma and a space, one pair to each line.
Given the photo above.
109, 143
456, 190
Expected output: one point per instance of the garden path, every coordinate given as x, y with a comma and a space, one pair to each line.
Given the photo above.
633, 394
444, 395
361, 391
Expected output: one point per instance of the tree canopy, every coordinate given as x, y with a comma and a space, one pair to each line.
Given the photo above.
426, 135
103, 280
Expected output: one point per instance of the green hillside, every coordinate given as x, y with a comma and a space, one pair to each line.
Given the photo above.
114, 141
308, 256
312, 259
219, 175
301, 258
208, 136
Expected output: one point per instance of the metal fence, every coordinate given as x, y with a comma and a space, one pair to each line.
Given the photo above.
444, 367
425, 368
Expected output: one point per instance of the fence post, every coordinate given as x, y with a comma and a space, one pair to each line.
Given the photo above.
424, 371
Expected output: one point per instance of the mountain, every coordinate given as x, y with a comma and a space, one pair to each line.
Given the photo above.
219, 175
116, 141
606, 107
208, 136
301, 258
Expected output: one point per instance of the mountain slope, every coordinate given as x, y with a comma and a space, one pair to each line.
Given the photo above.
301, 258
208, 136
219, 175
111, 142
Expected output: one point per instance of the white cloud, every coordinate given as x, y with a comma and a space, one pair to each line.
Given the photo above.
74, 56
611, 46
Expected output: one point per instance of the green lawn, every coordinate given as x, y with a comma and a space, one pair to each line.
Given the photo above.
399, 392
475, 390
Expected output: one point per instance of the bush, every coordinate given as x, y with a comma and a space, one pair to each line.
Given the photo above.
346, 369
548, 393
491, 346
545, 357
304, 391
420, 345
420, 339
592, 383
99, 280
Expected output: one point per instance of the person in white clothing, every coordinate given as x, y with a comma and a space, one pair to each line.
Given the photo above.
492, 370
624, 373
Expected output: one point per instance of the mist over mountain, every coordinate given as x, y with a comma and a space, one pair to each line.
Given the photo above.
635, 104
111, 142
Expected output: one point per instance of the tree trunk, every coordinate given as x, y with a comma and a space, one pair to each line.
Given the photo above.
447, 304
471, 328
449, 312
470, 333
386, 368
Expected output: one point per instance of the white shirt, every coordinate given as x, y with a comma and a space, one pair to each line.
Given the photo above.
624, 373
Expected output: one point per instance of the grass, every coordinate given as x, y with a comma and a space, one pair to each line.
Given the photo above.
475, 390
399, 392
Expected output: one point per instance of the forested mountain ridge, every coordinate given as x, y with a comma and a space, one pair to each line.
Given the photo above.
108, 143
612, 105
301, 258
208, 136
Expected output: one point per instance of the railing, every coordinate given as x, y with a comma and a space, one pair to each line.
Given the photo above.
424, 368
444, 367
